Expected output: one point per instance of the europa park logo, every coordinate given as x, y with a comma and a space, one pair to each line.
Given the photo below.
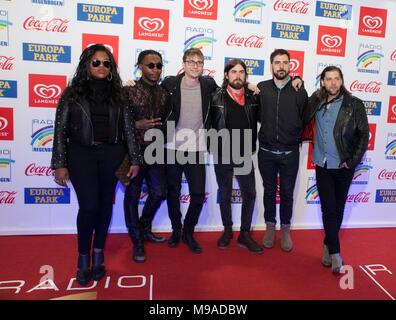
372, 22
331, 41
151, 24
201, 9
45, 90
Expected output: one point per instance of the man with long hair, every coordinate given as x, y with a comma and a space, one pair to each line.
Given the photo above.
234, 110
340, 136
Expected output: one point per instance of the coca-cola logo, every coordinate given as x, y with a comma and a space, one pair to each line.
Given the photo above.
300, 7
362, 197
6, 63
47, 92
152, 25
185, 198
201, 4
7, 197
387, 175
370, 87
252, 41
35, 170
294, 65
393, 56
331, 41
3, 123
372, 22
53, 25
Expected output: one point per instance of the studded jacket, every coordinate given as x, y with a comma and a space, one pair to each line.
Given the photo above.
73, 124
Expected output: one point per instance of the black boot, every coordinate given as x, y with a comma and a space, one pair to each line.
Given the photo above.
245, 241
151, 237
225, 239
148, 235
174, 239
84, 274
98, 268
138, 254
191, 243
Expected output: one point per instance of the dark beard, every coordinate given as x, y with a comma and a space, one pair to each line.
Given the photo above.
236, 86
281, 77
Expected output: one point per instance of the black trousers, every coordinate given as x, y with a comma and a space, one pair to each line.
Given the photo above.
286, 165
155, 178
196, 177
333, 186
247, 184
91, 172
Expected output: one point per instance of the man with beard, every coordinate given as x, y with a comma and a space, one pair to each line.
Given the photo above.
340, 141
234, 111
281, 117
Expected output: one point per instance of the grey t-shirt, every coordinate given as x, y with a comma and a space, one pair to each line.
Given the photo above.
189, 128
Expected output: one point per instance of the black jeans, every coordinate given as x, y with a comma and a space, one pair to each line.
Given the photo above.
91, 172
333, 186
247, 184
155, 178
196, 178
286, 165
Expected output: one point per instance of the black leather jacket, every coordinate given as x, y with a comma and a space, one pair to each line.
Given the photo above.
172, 85
73, 124
218, 112
351, 130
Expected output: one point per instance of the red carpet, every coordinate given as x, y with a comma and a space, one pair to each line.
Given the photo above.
177, 274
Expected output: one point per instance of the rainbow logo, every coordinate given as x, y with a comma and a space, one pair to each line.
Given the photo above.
41, 138
390, 150
368, 61
312, 196
200, 41
4, 24
248, 11
360, 175
5, 162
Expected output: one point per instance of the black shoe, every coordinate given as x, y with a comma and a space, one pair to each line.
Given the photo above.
174, 239
151, 237
225, 239
245, 241
98, 268
84, 274
191, 243
138, 254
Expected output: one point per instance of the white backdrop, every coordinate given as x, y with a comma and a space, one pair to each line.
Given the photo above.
41, 40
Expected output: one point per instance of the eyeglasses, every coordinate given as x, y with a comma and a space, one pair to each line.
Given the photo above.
151, 65
96, 63
192, 63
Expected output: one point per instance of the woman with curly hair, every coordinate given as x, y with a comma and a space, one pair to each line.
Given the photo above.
93, 131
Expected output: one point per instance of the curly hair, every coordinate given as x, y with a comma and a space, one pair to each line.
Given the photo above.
79, 85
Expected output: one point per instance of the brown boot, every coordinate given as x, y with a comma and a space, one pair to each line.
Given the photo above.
269, 237
286, 241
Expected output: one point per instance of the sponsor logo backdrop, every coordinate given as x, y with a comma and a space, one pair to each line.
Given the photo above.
41, 42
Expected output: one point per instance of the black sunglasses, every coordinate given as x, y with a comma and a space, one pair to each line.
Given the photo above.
96, 63
151, 65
